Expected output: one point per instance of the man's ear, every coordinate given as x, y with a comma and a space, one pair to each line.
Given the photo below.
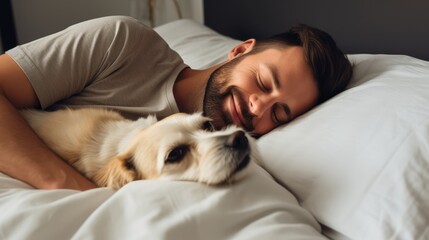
241, 48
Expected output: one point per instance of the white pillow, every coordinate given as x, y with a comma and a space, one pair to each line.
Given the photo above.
199, 46
360, 162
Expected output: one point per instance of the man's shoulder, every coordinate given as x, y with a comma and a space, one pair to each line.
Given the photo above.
116, 24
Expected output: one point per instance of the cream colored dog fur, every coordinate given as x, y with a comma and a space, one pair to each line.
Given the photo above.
112, 151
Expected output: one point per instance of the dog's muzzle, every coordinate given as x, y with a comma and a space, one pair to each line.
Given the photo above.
239, 144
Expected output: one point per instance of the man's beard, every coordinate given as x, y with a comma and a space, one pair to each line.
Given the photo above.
216, 92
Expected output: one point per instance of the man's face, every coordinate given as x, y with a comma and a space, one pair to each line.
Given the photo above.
261, 91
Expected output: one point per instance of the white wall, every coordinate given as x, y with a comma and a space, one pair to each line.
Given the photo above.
38, 18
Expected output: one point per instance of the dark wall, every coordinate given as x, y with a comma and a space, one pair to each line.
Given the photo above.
358, 26
7, 26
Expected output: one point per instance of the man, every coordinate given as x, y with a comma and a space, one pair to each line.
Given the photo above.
119, 63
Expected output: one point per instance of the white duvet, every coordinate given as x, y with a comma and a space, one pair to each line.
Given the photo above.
254, 208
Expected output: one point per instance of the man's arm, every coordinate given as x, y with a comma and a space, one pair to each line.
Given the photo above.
22, 154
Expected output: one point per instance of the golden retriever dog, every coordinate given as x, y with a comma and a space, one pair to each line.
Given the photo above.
112, 151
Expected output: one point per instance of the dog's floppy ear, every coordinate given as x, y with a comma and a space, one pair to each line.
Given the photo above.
117, 172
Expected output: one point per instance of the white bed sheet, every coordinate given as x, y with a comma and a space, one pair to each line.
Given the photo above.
254, 208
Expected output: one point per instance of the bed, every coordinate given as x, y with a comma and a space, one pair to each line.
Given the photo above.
354, 167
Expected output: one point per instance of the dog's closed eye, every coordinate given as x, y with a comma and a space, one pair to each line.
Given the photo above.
177, 154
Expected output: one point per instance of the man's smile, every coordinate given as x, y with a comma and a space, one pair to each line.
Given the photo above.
235, 111
238, 111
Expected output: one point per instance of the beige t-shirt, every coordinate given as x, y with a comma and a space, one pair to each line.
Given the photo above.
115, 62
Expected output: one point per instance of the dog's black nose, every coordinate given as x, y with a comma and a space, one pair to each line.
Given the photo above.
237, 140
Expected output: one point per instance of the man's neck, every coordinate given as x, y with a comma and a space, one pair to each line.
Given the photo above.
189, 88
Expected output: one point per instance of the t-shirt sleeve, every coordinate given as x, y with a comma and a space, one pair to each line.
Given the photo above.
65, 63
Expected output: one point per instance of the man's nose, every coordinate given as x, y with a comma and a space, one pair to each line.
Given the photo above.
259, 104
